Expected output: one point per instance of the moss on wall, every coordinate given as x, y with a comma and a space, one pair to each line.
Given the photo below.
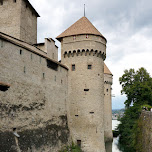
48, 136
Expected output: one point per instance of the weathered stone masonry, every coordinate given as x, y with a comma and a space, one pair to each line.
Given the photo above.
32, 103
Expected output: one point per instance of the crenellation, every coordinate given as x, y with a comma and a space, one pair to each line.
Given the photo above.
84, 52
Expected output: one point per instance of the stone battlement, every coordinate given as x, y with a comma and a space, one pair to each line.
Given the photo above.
84, 52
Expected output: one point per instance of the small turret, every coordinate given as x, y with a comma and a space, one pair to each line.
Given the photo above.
107, 104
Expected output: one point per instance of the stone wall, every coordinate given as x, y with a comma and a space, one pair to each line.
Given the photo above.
145, 132
18, 20
28, 24
34, 104
86, 90
10, 18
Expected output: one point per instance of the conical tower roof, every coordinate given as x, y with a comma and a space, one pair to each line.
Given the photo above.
106, 70
82, 26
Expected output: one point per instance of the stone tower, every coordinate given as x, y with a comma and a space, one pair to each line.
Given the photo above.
19, 19
83, 50
107, 104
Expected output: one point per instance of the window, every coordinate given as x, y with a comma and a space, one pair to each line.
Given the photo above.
14, 1
1, 2
86, 89
20, 52
87, 36
107, 90
73, 67
1, 43
24, 69
91, 112
89, 67
74, 37
79, 143
4, 87
43, 75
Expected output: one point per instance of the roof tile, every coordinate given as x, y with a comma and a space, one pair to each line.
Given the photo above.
106, 70
82, 26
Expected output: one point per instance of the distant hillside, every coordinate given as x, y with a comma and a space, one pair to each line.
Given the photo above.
118, 111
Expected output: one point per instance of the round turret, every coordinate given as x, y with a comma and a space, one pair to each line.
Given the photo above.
107, 104
83, 50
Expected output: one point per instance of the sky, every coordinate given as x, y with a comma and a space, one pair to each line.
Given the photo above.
126, 24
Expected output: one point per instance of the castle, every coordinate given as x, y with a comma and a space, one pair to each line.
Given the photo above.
46, 104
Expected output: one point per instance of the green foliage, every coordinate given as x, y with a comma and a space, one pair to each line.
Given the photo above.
71, 148
127, 128
138, 88
146, 106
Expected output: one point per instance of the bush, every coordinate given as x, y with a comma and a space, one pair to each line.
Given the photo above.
71, 148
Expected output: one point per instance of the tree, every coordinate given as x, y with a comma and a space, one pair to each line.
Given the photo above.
137, 86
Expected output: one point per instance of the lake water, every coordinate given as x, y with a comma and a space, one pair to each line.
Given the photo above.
112, 146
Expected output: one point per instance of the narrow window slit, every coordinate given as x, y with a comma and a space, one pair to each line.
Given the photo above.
86, 89
21, 52
24, 69
43, 75
91, 112
73, 67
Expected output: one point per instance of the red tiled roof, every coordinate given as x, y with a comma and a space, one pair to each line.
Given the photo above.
82, 26
106, 70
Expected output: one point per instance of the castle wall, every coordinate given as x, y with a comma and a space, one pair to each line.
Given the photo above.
18, 20
35, 103
107, 108
86, 90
